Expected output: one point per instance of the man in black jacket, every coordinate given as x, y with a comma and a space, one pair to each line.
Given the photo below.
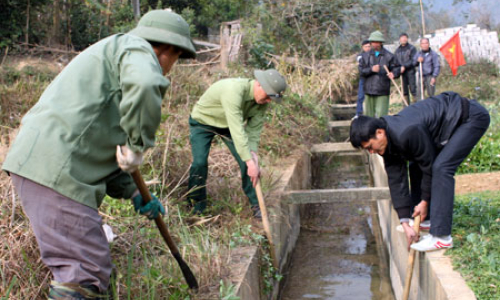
405, 54
435, 135
377, 80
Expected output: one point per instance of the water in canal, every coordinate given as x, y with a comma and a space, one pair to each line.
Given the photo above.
339, 253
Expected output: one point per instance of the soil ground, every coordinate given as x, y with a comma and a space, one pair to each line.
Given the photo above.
470, 183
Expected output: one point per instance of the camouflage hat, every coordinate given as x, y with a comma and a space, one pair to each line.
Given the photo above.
166, 27
377, 36
272, 82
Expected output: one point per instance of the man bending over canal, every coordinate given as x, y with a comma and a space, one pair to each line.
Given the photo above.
435, 136
233, 109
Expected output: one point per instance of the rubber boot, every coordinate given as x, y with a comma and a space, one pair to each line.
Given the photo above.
73, 291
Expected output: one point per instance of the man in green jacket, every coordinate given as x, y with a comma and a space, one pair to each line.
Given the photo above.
64, 159
233, 109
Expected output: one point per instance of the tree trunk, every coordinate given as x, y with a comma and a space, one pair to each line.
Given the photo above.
136, 5
69, 42
108, 13
56, 24
27, 33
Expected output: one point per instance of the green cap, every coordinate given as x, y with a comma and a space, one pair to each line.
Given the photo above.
272, 82
167, 27
376, 36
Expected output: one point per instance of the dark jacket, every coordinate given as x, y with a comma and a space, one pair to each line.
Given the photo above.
378, 84
417, 134
405, 56
431, 65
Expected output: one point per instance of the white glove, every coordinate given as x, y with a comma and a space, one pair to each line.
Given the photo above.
110, 236
127, 159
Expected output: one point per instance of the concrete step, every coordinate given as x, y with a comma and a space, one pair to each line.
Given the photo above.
334, 147
342, 123
343, 106
339, 130
342, 111
338, 195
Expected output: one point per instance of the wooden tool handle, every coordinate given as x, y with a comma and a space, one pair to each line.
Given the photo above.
416, 224
265, 222
397, 87
411, 262
162, 227
421, 82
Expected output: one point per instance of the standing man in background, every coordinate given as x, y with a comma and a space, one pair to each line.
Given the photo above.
405, 54
377, 85
430, 67
365, 47
233, 109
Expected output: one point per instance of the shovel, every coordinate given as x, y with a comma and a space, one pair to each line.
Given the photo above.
411, 262
146, 196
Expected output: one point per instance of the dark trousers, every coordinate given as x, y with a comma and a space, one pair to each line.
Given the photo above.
461, 143
409, 85
201, 137
361, 96
429, 89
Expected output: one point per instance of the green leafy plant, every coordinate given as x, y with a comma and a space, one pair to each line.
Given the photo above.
227, 291
476, 238
258, 54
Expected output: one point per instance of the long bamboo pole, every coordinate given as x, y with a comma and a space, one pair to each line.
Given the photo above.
408, 101
397, 87
421, 83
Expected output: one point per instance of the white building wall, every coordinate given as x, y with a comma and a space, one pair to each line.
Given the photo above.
476, 43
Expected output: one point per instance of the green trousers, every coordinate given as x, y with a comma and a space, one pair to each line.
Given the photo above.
376, 106
201, 137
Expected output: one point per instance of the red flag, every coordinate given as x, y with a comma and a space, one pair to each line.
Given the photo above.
452, 51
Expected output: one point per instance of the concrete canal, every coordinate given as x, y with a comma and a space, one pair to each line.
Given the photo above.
339, 253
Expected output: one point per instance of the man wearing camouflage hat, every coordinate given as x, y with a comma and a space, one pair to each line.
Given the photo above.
78, 143
377, 80
233, 109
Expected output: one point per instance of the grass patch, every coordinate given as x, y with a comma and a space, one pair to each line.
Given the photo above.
476, 238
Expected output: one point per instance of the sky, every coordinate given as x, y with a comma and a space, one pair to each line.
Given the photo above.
463, 9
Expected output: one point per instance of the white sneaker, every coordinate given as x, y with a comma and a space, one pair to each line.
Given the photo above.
425, 225
431, 243
425, 237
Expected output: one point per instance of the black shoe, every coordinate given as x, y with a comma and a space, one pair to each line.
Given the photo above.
197, 208
256, 213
